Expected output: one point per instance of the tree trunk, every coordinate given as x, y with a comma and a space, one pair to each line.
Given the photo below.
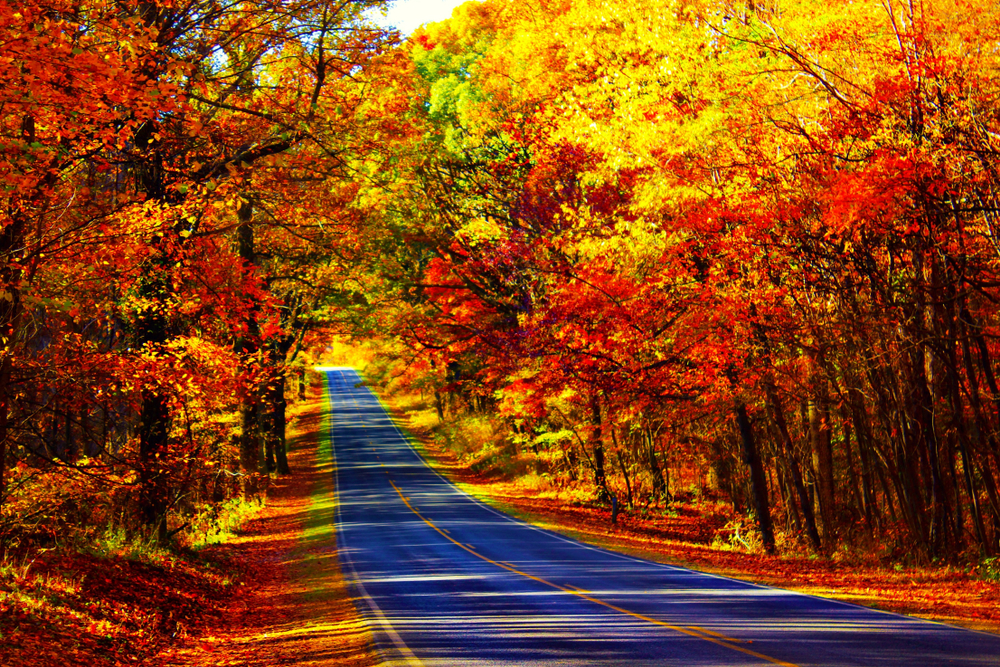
439, 404
597, 447
9, 307
793, 520
792, 464
278, 407
822, 456
12, 252
758, 481
628, 481
660, 490
853, 482
863, 437
154, 425
248, 347
151, 331
621, 464
5, 365
250, 446
572, 461
980, 430
929, 448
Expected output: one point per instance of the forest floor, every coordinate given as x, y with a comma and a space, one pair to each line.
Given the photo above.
273, 594
686, 535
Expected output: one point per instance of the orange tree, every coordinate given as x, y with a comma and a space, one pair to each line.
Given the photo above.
139, 131
772, 223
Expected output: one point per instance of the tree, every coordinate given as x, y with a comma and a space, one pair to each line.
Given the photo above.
142, 126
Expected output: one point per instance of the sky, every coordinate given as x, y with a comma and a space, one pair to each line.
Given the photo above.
407, 15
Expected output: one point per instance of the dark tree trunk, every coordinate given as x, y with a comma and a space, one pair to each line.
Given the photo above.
9, 306
981, 425
12, 253
623, 467
758, 481
926, 434
278, 406
597, 447
792, 464
822, 455
793, 520
276, 398
628, 481
863, 437
5, 365
439, 404
154, 424
660, 490
853, 481
248, 346
721, 477
269, 434
250, 446
154, 417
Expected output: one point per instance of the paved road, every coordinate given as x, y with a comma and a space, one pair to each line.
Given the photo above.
449, 581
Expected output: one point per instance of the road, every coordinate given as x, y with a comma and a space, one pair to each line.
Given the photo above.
446, 580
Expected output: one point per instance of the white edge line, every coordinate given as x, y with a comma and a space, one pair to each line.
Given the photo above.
570, 540
380, 616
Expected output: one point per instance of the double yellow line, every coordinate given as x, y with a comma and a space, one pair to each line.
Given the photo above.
690, 630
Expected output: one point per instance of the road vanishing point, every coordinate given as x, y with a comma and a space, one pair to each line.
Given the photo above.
443, 579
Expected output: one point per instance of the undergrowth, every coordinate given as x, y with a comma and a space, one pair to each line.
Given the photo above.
989, 569
111, 592
217, 523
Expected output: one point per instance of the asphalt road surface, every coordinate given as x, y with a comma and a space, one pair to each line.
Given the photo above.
446, 580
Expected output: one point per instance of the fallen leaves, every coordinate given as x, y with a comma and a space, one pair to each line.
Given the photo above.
69, 608
271, 595
683, 537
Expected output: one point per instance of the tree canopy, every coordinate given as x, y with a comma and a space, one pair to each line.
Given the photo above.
755, 242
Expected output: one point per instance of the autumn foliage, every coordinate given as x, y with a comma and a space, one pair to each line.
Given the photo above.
751, 242
175, 190
747, 250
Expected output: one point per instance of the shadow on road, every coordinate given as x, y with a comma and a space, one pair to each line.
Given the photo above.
293, 606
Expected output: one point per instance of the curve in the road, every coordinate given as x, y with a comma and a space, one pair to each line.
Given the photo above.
693, 631
447, 580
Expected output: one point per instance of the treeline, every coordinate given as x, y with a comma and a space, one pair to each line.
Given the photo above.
756, 238
176, 186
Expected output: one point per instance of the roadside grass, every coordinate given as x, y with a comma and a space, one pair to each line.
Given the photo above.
698, 533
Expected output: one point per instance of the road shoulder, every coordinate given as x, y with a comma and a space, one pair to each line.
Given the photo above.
292, 605
940, 594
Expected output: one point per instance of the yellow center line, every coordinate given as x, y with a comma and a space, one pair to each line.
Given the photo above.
719, 635
691, 631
